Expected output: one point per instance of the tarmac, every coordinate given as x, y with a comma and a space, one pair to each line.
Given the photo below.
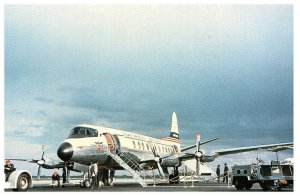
129, 185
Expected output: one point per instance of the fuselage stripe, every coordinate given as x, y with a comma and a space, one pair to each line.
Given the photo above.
171, 139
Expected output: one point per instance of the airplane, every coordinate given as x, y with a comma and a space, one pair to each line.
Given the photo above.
114, 149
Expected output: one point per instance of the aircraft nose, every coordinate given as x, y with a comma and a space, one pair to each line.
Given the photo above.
65, 151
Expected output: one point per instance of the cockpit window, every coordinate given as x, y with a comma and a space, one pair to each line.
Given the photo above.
80, 132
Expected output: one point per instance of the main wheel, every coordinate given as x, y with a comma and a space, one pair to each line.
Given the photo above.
264, 186
248, 185
173, 179
171, 176
239, 185
87, 184
23, 182
279, 188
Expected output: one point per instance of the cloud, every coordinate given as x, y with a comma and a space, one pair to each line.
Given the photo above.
25, 127
43, 100
225, 70
21, 148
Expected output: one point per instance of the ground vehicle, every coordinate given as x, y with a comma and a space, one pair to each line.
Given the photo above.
268, 176
19, 180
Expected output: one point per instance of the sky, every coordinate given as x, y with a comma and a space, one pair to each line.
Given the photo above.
226, 70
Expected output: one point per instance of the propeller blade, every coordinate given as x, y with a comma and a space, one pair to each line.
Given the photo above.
210, 140
43, 156
42, 161
198, 142
197, 166
39, 173
161, 172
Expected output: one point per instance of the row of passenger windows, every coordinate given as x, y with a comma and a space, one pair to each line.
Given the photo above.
157, 148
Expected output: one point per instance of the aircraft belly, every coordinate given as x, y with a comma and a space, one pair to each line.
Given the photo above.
89, 155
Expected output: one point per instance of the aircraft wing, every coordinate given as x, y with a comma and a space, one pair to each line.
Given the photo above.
186, 156
53, 165
270, 147
26, 160
47, 165
209, 158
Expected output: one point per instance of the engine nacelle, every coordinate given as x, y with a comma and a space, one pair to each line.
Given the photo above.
206, 158
169, 162
80, 167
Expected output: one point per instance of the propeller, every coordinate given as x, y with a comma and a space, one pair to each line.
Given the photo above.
157, 160
198, 154
48, 165
40, 163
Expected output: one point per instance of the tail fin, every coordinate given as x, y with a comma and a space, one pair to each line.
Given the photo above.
174, 135
174, 127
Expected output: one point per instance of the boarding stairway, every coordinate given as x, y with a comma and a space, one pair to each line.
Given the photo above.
124, 160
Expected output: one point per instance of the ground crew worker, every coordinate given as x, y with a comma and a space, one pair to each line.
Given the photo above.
64, 175
111, 176
55, 179
8, 169
94, 174
218, 172
226, 173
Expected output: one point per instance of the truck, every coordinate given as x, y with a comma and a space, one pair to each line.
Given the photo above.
274, 175
19, 180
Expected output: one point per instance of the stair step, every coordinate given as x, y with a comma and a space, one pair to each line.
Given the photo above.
136, 176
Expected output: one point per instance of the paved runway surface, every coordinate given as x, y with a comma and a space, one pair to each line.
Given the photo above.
128, 185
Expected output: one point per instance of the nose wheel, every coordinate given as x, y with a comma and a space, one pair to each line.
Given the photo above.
86, 184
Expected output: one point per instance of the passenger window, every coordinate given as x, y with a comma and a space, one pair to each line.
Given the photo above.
147, 146
139, 145
143, 146
238, 171
133, 144
245, 171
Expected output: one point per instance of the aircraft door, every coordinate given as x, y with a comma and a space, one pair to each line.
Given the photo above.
110, 142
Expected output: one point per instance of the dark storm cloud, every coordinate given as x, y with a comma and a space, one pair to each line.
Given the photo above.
226, 71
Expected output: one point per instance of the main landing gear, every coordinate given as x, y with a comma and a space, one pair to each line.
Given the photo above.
174, 177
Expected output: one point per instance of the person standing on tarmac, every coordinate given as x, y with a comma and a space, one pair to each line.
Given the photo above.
218, 172
226, 173
8, 169
94, 174
64, 175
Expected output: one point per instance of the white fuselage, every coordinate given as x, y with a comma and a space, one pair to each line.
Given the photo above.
89, 149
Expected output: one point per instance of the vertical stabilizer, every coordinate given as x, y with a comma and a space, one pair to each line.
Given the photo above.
174, 127
174, 135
